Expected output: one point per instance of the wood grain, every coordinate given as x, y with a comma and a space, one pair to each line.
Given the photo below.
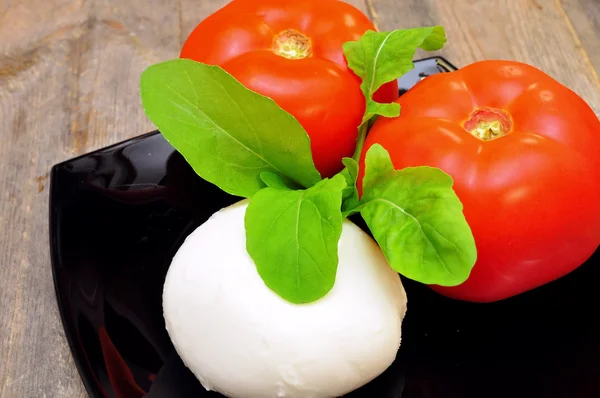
69, 72
584, 20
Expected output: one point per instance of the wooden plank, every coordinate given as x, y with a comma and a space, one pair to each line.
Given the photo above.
532, 31
69, 73
33, 130
584, 20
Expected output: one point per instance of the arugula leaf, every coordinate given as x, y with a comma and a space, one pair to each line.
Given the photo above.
381, 57
417, 219
378, 58
273, 180
292, 236
350, 193
226, 132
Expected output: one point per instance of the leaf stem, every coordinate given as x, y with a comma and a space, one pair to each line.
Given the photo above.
363, 129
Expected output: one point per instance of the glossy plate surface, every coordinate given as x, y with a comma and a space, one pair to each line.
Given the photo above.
118, 215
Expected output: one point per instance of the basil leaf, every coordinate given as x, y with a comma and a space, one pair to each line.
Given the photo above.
381, 57
226, 132
292, 236
350, 193
417, 219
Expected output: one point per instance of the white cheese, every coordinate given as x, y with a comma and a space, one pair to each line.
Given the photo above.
241, 339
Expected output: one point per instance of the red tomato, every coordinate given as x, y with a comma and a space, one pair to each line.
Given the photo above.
524, 152
292, 52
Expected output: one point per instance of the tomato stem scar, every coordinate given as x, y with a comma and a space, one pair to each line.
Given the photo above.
292, 44
488, 124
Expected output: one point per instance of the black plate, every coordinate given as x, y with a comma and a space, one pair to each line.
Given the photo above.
118, 215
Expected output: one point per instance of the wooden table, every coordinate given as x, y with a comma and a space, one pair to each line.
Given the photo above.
69, 73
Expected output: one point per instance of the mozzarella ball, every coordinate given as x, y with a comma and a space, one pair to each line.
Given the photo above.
242, 340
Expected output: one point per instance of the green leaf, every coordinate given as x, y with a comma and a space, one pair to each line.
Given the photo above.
417, 219
273, 180
350, 194
292, 236
227, 133
381, 57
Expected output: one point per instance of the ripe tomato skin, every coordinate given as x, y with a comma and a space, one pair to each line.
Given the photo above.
320, 91
532, 196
